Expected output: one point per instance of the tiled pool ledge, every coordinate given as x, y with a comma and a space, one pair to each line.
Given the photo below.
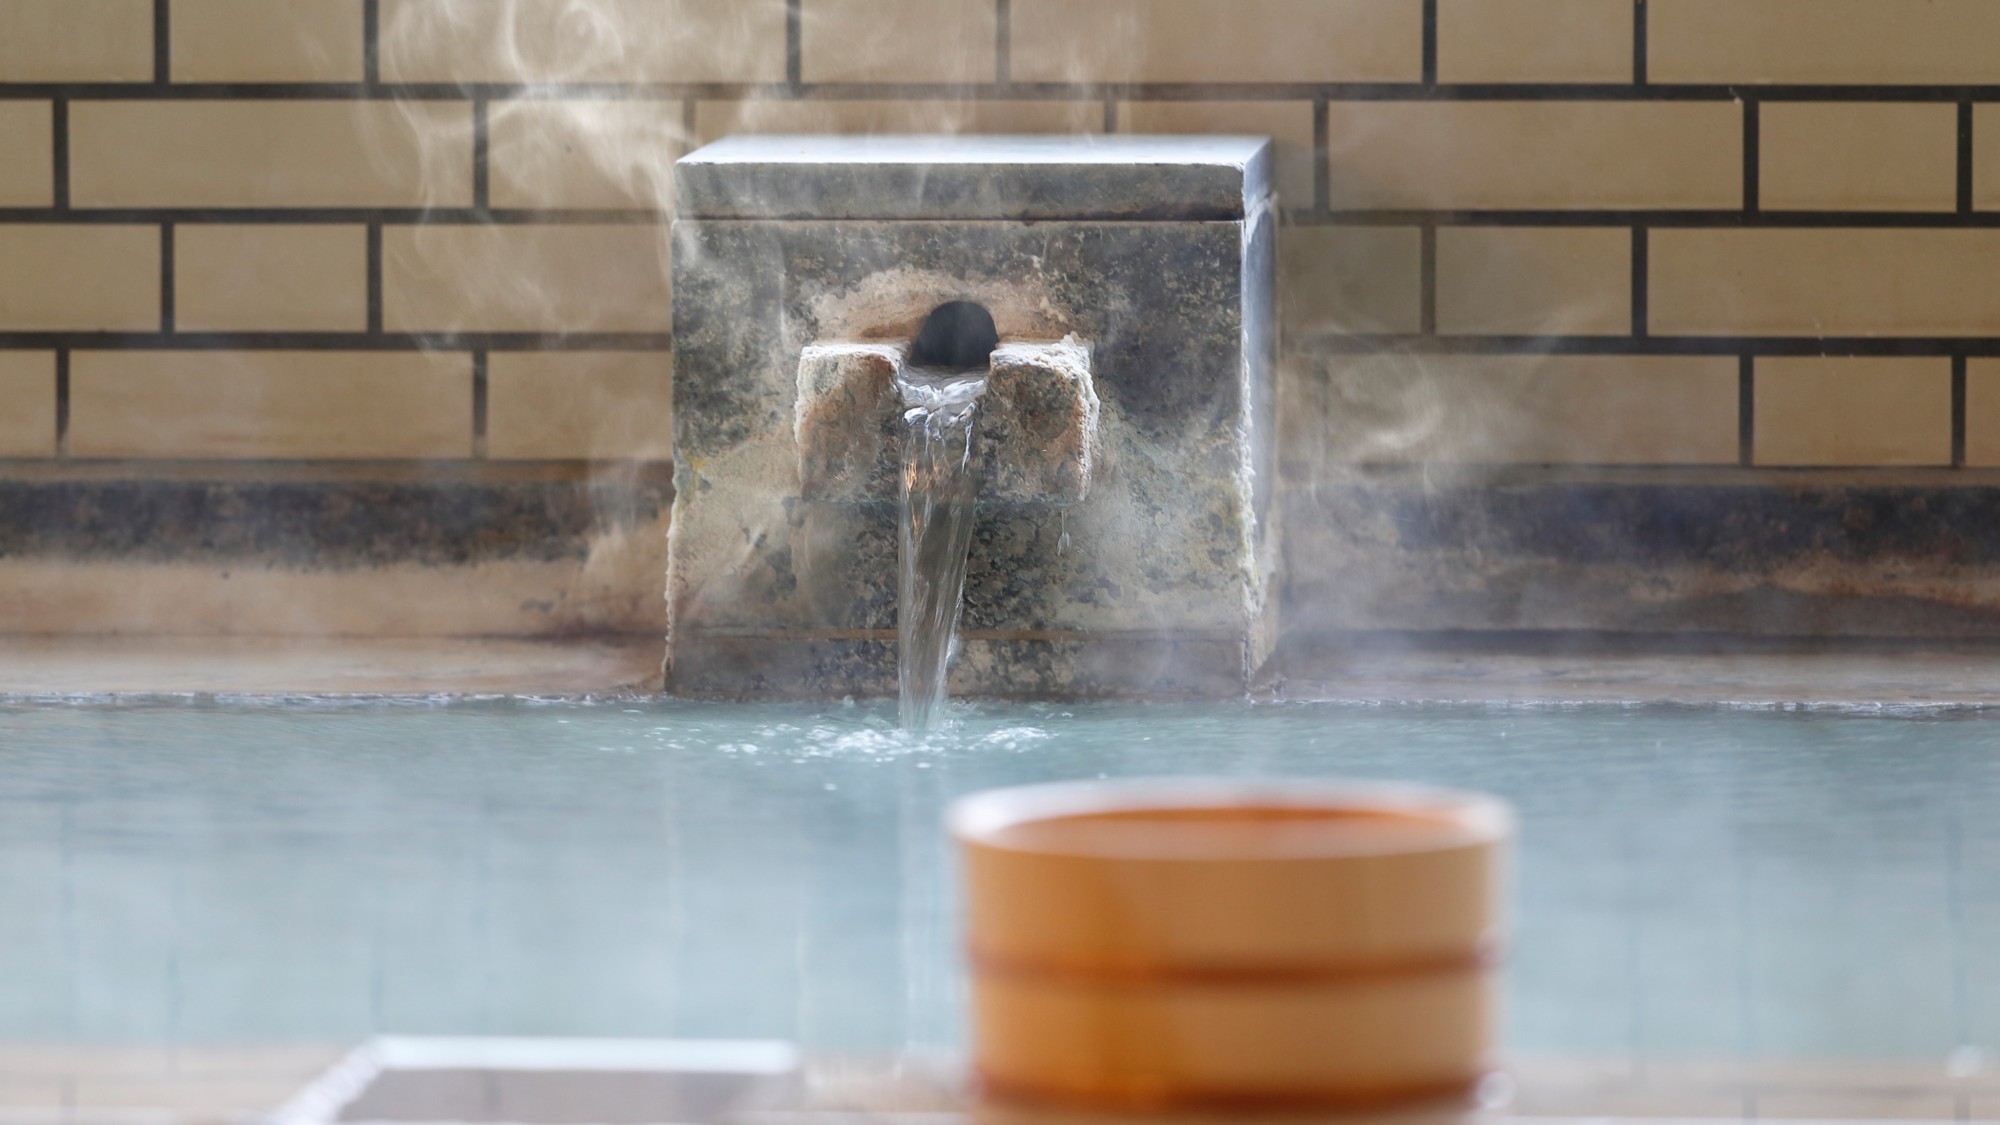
212, 1085
1560, 668
279, 666
1496, 668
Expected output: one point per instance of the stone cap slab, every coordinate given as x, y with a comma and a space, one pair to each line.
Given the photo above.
1157, 178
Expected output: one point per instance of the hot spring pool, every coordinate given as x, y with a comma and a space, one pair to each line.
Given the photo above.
1690, 882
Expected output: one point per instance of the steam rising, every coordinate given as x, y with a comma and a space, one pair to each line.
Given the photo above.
588, 103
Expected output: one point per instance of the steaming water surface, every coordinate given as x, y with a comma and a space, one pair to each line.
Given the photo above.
1689, 883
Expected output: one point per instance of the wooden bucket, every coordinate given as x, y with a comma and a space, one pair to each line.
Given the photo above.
1231, 945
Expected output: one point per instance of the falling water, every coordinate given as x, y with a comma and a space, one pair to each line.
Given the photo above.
938, 492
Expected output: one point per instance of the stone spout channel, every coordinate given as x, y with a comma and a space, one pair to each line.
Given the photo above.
867, 411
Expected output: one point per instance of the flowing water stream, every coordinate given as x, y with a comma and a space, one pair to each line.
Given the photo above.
939, 489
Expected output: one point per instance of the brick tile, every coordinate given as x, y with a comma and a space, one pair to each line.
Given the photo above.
1824, 41
270, 278
1534, 40
27, 168
79, 278
1351, 279
1824, 282
1635, 410
1833, 156
1557, 155
28, 387
271, 154
265, 41
605, 41
1534, 281
584, 154
270, 405
1982, 412
1853, 411
76, 41
1290, 124
555, 278
898, 40
1986, 157
1217, 40
592, 406
717, 119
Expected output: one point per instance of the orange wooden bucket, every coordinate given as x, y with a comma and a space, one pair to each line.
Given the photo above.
1192, 944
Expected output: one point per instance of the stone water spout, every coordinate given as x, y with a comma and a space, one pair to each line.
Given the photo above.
1036, 431
941, 427
1120, 543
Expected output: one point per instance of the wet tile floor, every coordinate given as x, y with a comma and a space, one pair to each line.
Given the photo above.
51, 1085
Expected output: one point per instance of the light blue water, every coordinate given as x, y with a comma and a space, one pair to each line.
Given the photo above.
1689, 882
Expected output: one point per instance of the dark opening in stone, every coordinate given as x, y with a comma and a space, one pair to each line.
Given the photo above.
957, 335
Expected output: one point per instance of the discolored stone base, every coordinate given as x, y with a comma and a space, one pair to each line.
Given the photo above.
1856, 555
1049, 667
438, 552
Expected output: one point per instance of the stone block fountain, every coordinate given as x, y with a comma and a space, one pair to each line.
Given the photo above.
1096, 313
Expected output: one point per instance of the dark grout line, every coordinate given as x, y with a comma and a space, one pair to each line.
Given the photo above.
795, 39
1427, 282
1430, 44
1641, 286
1322, 156
375, 277
375, 341
162, 43
1965, 158
479, 399
974, 91
1329, 343
1752, 155
1746, 411
1958, 365
167, 277
1639, 43
1110, 115
265, 472
482, 148
1661, 220
62, 402
1003, 41
1302, 216
391, 216
59, 131
371, 42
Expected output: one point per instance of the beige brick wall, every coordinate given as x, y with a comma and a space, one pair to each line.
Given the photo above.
1868, 410
28, 387
271, 278
266, 41
270, 228
1834, 157
270, 154
1207, 41
27, 174
1611, 410
270, 405
76, 41
97, 278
